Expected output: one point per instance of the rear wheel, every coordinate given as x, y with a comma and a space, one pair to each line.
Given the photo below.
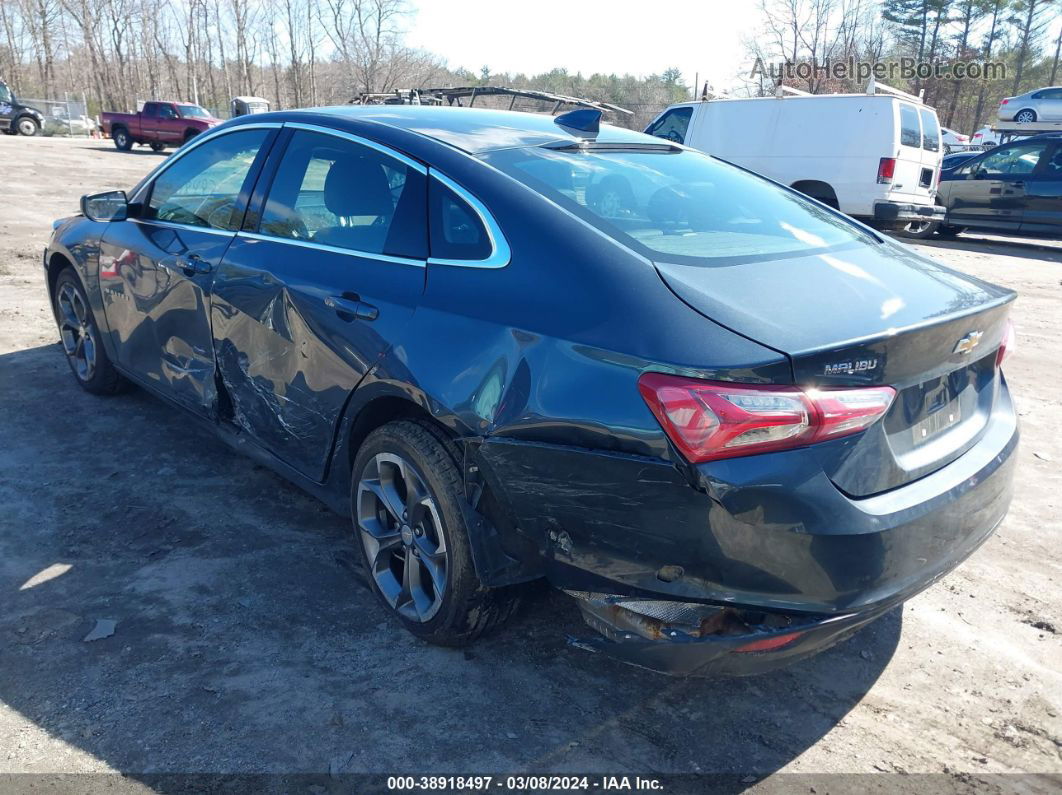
27, 125
1025, 116
80, 337
123, 142
157, 147
919, 229
406, 500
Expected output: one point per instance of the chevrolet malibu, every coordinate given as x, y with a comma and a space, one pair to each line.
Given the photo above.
731, 423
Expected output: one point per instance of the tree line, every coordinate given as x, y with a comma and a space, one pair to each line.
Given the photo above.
299, 53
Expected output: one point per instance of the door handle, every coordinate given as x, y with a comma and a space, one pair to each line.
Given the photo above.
189, 265
352, 307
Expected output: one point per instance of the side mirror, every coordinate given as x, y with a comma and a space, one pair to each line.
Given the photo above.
110, 206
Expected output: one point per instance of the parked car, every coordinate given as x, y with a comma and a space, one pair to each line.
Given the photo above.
732, 423
17, 117
158, 124
1042, 104
872, 156
1014, 188
955, 160
954, 141
985, 137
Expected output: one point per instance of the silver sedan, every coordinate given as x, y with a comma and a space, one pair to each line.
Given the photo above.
1043, 104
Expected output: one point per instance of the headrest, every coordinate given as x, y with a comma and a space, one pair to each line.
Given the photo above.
357, 186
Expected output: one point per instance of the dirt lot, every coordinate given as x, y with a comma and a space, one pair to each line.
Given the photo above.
243, 642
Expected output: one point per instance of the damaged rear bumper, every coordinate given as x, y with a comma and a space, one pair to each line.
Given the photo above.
683, 639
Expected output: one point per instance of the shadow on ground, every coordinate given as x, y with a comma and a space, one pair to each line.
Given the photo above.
244, 643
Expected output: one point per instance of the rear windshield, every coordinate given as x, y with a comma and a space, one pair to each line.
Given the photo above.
192, 112
679, 205
910, 134
930, 130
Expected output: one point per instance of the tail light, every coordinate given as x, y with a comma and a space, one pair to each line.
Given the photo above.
886, 169
708, 420
1006, 347
1004, 102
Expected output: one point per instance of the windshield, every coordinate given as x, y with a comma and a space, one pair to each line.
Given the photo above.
679, 205
193, 112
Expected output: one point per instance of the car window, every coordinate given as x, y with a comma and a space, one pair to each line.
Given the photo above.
930, 130
456, 231
151, 110
191, 112
167, 112
5, 94
672, 125
1017, 159
681, 206
910, 132
202, 187
336, 192
1053, 166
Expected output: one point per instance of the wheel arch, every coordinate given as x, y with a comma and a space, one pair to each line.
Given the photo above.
817, 189
501, 556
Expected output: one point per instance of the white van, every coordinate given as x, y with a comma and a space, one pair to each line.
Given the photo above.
873, 156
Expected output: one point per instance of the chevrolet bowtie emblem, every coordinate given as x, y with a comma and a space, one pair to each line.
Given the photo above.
969, 342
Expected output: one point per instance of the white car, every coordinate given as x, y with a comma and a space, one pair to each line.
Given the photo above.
985, 137
872, 156
954, 141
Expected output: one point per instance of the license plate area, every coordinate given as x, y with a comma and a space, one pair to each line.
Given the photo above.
947, 416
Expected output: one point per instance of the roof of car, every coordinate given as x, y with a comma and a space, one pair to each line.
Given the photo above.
480, 129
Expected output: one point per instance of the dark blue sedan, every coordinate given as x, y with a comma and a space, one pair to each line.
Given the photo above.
732, 423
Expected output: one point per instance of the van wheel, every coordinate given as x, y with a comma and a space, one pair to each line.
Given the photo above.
1025, 116
406, 498
919, 230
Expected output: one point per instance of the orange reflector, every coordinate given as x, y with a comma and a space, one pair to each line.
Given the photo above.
771, 643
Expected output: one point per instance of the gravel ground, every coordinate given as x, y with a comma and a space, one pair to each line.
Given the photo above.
243, 643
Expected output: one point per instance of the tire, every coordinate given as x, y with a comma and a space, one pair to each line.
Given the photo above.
27, 125
188, 136
919, 230
80, 337
406, 499
1025, 116
123, 142
157, 147
948, 231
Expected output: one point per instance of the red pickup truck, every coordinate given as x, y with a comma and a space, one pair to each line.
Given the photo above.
159, 124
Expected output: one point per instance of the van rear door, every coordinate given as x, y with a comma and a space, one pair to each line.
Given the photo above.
914, 177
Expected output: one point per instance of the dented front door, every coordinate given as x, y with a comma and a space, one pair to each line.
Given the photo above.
157, 269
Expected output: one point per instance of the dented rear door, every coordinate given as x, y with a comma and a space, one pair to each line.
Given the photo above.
302, 305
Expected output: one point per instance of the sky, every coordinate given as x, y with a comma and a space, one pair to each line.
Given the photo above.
640, 38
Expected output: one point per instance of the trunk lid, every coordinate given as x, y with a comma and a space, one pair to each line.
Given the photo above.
870, 314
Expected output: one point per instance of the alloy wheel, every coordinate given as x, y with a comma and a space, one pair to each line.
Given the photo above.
77, 331
1025, 117
27, 127
401, 531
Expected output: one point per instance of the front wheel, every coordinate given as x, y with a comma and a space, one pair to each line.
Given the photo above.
80, 337
27, 126
157, 147
406, 499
